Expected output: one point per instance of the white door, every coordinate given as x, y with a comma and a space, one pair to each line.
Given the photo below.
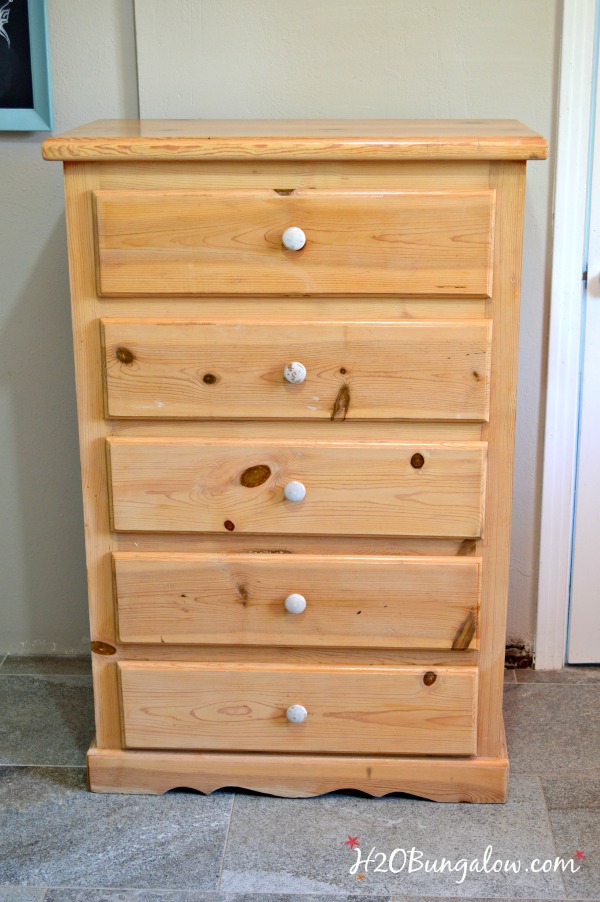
584, 615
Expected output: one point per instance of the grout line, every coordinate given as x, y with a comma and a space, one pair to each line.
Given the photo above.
552, 836
488, 898
573, 678
218, 890
537, 683
42, 889
2, 660
45, 675
48, 766
594, 682
568, 772
109, 891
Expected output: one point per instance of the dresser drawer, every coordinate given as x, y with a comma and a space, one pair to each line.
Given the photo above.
297, 600
351, 488
408, 710
354, 370
229, 242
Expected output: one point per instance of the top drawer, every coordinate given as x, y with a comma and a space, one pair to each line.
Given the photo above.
229, 242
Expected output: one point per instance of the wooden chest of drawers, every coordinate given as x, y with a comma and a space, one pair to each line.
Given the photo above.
296, 349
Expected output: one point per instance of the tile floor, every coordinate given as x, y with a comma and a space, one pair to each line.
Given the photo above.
59, 843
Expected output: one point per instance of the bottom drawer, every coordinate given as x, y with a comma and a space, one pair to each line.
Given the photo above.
394, 710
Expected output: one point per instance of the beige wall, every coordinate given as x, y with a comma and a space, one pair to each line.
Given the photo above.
42, 568
262, 58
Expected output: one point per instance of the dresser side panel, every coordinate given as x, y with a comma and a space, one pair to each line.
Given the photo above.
509, 181
80, 181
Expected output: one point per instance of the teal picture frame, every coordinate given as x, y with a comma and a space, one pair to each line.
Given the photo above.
37, 118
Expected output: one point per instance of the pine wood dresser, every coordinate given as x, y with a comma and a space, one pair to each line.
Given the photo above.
296, 350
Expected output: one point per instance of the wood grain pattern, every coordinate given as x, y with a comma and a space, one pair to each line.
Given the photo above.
300, 776
191, 369
297, 139
382, 174
229, 242
189, 485
238, 599
229, 707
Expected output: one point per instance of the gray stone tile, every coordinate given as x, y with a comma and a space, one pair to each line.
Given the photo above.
56, 833
509, 676
45, 720
572, 791
21, 894
47, 665
574, 674
471, 899
296, 897
64, 894
298, 845
552, 729
574, 808
132, 895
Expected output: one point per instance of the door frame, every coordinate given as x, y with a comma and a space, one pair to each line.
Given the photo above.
565, 336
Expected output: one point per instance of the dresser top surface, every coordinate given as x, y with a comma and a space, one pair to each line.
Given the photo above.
297, 139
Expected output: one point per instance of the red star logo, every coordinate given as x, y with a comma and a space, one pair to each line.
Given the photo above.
352, 841
580, 855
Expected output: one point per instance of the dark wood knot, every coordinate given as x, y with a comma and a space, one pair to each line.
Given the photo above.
124, 355
102, 648
255, 476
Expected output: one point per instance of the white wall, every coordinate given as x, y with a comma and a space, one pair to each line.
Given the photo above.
388, 58
247, 58
42, 568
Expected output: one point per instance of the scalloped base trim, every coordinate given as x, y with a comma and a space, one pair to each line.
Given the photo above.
298, 776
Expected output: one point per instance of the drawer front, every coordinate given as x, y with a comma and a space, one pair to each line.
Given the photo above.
410, 710
297, 600
219, 242
352, 488
368, 371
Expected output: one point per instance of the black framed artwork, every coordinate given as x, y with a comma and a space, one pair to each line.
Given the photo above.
24, 66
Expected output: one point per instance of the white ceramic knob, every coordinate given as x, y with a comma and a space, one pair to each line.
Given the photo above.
293, 238
294, 491
294, 372
296, 713
295, 604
